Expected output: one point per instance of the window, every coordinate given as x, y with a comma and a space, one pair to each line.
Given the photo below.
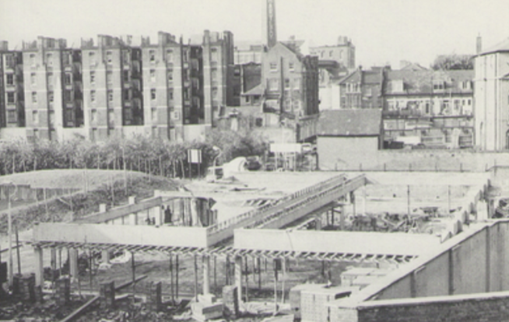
176, 115
110, 96
49, 59
92, 96
109, 78
290, 66
12, 116
35, 117
50, 97
10, 79
92, 77
170, 75
93, 116
169, 55
469, 102
126, 75
69, 116
32, 60
152, 75
109, 57
11, 97
34, 97
170, 94
9, 61
213, 74
68, 79
287, 83
152, 56
184, 56
273, 66
33, 79
214, 92
127, 94
91, 58
330, 53
213, 54
127, 57
67, 96
153, 94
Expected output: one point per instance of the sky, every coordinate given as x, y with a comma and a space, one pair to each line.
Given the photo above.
383, 31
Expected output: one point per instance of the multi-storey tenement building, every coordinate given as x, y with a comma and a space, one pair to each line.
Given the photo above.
492, 97
53, 88
171, 90
112, 86
361, 89
12, 95
186, 83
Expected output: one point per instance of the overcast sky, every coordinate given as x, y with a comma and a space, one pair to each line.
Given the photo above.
382, 30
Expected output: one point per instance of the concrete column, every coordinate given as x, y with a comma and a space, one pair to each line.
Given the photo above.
364, 200
238, 277
73, 263
38, 265
105, 256
342, 218
53, 258
158, 215
206, 274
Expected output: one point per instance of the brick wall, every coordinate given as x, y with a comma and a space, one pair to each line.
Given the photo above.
479, 307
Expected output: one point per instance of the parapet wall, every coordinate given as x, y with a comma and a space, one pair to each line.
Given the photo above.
461, 308
121, 234
332, 156
472, 262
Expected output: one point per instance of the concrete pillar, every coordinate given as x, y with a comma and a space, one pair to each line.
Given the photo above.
132, 200
73, 263
38, 266
158, 214
53, 258
364, 200
206, 274
102, 207
132, 219
105, 256
238, 277
342, 218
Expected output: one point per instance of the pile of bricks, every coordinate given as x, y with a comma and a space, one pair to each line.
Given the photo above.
154, 296
107, 293
230, 301
62, 291
24, 287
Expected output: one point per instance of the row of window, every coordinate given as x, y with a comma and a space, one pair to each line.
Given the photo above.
274, 66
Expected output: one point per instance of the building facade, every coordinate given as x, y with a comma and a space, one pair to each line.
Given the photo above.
492, 98
343, 52
428, 107
12, 94
171, 90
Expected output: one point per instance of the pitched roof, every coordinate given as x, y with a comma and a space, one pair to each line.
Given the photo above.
350, 122
502, 46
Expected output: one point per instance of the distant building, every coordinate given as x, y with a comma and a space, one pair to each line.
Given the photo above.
348, 132
186, 83
492, 97
361, 89
112, 87
12, 94
343, 52
245, 53
53, 89
171, 90
434, 108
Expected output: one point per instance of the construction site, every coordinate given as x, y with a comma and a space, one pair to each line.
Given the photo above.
252, 246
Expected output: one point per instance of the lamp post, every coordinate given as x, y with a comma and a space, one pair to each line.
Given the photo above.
125, 173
